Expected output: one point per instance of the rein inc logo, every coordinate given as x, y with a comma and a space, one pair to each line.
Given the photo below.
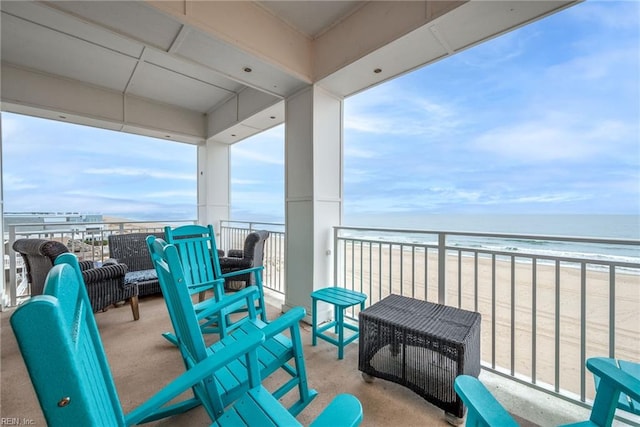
16, 421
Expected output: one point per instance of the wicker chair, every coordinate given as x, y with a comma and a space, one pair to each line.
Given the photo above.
251, 256
105, 285
131, 249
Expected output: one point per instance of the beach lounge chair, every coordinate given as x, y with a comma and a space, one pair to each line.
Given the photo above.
485, 411
74, 384
274, 354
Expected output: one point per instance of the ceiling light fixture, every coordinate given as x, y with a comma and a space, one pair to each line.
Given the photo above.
247, 69
272, 117
377, 70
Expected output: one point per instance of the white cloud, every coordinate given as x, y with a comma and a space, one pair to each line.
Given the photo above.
11, 182
354, 152
10, 126
595, 64
379, 111
172, 194
257, 156
141, 172
548, 198
245, 181
616, 15
355, 175
547, 140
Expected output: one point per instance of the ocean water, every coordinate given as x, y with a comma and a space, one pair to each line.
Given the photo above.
608, 227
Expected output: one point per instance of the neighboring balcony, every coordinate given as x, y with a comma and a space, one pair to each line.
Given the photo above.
548, 303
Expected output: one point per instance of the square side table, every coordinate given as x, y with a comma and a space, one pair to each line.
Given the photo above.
341, 299
422, 346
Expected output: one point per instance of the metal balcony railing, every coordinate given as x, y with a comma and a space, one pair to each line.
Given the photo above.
232, 235
548, 303
88, 240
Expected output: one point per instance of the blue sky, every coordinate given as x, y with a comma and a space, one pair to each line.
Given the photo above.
545, 119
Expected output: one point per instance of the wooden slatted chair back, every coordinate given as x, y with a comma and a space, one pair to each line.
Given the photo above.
199, 255
60, 344
196, 248
189, 338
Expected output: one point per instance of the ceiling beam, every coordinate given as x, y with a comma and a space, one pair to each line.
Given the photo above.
48, 96
249, 27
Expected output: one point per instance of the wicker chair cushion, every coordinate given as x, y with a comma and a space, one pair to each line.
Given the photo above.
140, 276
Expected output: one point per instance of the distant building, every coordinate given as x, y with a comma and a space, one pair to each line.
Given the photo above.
52, 221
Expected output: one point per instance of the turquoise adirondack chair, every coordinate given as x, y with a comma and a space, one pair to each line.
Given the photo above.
74, 385
624, 402
277, 352
199, 255
485, 411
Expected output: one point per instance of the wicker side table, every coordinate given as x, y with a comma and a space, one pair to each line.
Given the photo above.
422, 346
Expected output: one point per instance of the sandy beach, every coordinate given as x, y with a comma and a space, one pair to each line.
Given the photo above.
473, 284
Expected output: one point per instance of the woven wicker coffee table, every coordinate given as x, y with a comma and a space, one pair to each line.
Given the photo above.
420, 345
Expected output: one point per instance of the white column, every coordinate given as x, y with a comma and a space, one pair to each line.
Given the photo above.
214, 183
313, 191
4, 282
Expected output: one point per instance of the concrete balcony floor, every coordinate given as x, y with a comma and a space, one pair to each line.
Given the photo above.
142, 362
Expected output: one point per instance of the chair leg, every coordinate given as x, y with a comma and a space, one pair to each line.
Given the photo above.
134, 307
314, 321
306, 395
340, 327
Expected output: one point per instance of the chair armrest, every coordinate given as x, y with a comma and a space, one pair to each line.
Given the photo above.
614, 378
231, 262
96, 275
208, 307
217, 285
241, 272
290, 319
86, 265
197, 373
236, 253
344, 410
481, 403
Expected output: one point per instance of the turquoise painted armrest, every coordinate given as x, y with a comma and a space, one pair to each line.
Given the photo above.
344, 410
245, 271
217, 285
194, 375
208, 308
285, 321
621, 380
483, 408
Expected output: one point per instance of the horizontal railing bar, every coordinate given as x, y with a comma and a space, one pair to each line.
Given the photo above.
519, 254
573, 239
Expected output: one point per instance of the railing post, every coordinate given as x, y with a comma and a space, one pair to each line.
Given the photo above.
335, 256
13, 267
442, 268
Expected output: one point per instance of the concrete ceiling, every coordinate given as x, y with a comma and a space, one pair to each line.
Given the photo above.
194, 70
